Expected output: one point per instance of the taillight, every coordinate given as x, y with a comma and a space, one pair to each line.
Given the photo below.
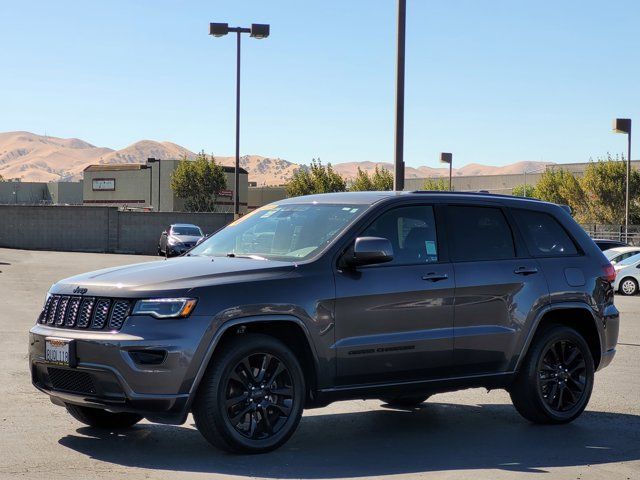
609, 273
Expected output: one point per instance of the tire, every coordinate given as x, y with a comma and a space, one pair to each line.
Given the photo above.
628, 286
95, 417
405, 401
260, 419
555, 380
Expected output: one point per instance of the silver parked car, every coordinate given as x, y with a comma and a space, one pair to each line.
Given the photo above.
178, 238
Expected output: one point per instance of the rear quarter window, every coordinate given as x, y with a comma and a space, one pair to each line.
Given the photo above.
543, 234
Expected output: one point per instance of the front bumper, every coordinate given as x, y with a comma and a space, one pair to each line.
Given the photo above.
108, 374
178, 249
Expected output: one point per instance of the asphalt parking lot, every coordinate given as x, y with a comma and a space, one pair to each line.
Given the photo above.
469, 434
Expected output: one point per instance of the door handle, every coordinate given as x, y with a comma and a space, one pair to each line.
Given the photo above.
435, 277
525, 270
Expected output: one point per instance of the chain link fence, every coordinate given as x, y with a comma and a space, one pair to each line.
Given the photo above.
614, 232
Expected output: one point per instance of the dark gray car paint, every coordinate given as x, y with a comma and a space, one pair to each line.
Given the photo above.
480, 321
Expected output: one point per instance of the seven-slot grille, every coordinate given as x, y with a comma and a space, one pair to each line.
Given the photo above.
69, 311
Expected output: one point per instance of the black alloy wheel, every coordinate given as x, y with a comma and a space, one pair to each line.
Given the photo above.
562, 375
555, 380
259, 396
251, 397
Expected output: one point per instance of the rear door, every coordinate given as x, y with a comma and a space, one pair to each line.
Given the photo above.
499, 288
394, 321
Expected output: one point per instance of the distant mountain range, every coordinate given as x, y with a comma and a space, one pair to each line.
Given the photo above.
39, 158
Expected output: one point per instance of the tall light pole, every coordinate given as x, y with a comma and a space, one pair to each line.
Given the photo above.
398, 177
447, 158
623, 125
258, 31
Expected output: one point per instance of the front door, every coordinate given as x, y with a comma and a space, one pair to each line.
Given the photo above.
394, 321
499, 288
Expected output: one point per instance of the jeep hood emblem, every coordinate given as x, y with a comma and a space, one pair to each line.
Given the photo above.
80, 290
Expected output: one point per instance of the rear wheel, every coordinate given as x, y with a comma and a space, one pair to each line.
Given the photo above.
628, 286
251, 398
556, 378
406, 401
95, 417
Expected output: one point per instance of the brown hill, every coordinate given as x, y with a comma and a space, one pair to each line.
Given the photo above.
39, 158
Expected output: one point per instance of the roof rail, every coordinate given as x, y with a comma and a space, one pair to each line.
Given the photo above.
480, 192
566, 208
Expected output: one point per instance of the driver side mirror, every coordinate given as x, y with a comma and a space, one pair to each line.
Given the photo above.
164, 233
368, 251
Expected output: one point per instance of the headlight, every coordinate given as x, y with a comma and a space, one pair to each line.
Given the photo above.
165, 307
174, 241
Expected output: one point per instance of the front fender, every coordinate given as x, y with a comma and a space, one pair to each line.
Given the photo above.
230, 324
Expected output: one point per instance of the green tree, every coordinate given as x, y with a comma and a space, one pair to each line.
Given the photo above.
362, 182
317, 178
562, 187
523, 190
604, 185
436, 184
198, 182
382, 179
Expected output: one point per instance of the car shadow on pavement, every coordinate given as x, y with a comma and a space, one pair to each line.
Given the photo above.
434, 437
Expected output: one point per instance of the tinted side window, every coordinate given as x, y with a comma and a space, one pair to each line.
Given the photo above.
411, 231
544, 235
479, 233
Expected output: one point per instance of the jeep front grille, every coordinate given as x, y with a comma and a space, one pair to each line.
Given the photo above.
69, 311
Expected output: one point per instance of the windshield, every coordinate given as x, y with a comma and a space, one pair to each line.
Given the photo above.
611, 253
192, 231
629, 261
281, 232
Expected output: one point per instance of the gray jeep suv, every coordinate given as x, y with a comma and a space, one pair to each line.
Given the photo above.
310, 300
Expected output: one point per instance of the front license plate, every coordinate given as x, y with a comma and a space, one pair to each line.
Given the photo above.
59, 351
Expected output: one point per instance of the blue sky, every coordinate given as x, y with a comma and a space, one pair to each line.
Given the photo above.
492, 81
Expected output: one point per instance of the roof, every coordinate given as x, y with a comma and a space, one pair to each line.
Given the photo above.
111, 167
623, 249
228, 169
184, 225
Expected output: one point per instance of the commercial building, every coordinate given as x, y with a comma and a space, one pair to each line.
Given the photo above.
148, 186
41, 193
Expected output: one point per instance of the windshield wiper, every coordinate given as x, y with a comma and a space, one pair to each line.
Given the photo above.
253, 257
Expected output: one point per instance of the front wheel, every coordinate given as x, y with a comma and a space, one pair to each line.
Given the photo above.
555, 381
628, 286
252, 396
95, 417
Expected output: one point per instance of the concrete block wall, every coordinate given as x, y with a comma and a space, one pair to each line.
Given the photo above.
93, 229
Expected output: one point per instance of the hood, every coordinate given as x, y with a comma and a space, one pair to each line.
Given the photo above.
186, 238
177, 276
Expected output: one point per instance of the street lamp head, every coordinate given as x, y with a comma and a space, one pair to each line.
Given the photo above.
218, 29
259, 30
446, 158
622, 125
152, 160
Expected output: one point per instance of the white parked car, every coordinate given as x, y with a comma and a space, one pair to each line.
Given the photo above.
618, 254
627, 275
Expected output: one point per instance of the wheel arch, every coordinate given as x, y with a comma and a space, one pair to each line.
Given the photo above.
289, 329
578, 316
